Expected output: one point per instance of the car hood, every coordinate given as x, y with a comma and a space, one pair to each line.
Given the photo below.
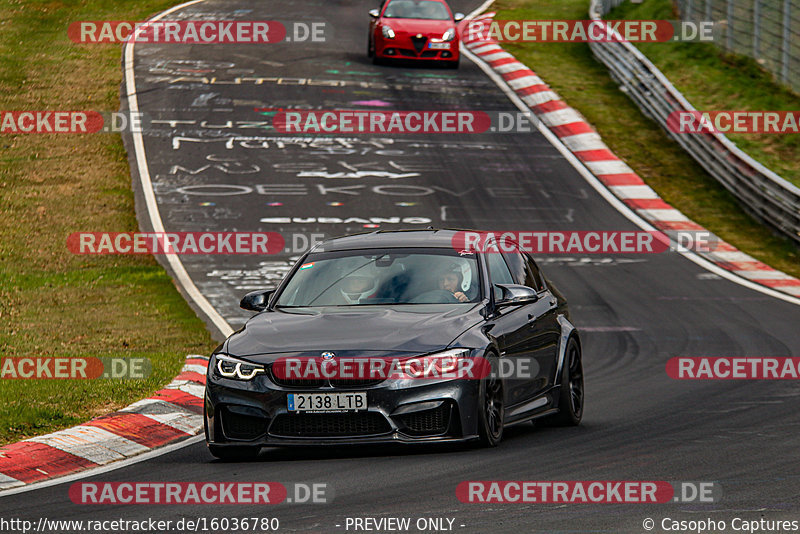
389, 330
428, 28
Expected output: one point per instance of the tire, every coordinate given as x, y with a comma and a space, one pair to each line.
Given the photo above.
571, 397
370, 50
238, 453
453, 64
491, 409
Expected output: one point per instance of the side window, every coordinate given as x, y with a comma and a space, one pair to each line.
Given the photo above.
517, 265
534, 273
524, 270
498, 270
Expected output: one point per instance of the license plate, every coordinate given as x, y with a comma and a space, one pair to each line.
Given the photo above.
326, 402
439, 46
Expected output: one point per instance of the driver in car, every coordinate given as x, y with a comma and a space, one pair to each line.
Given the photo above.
451, 281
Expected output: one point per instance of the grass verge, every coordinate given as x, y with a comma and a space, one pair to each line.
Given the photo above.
53, 303
712, 79
571, 70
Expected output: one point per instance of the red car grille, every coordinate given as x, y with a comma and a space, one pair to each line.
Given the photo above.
419, 42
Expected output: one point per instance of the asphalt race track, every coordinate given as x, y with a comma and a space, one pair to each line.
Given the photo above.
215, 166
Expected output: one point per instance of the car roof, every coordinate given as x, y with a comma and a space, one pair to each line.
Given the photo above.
440, 1
415, 238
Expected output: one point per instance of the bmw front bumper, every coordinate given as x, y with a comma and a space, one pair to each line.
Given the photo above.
255, 413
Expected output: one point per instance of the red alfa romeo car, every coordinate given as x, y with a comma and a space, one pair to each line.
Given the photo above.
414, 30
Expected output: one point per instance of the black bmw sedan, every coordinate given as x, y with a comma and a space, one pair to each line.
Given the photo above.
398, 337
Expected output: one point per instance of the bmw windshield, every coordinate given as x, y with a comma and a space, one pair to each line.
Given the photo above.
397, 276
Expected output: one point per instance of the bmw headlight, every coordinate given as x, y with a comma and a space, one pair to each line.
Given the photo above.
447, 361
449, 35
236, 369
387, 31
448, 364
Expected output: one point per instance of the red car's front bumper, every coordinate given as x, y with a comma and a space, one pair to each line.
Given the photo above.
411, 47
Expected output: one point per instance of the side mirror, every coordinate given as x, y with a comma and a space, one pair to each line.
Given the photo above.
458, 16
256, 301
374, 13
511, 294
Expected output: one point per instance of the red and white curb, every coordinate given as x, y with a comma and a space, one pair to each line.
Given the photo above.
172, 414
587, 146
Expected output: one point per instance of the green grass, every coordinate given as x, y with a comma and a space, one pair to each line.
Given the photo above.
54, 303
714, 80
571, 70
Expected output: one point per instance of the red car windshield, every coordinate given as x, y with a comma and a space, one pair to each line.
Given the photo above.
416, 9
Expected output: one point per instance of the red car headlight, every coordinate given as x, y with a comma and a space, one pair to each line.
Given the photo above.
387, 31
